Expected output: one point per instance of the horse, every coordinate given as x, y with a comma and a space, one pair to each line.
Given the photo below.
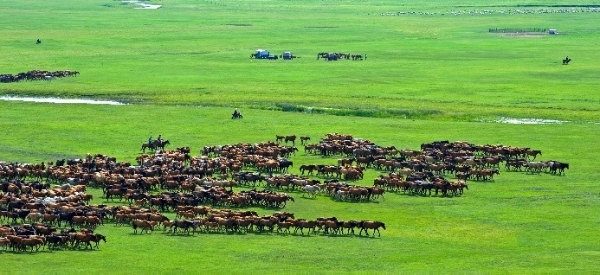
366, 225
148, 146
161, 145
312, 190
237, 115
291, 138
304, 139
143, 225
96, 238
566, 61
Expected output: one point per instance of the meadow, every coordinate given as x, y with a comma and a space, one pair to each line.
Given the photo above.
184, 67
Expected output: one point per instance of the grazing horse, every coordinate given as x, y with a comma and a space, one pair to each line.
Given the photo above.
279, 138
366, 225
566, 61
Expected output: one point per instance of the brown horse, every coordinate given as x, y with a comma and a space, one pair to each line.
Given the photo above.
301, 224
366, 225
279, 138
143, 225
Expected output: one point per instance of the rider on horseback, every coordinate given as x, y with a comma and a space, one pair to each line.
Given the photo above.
236, 114
159, 139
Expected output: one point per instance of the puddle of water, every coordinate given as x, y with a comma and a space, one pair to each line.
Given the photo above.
148, 7
61, 100
530, 121
140, 5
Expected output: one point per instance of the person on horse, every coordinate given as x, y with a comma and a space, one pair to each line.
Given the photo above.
159, 139
236, 114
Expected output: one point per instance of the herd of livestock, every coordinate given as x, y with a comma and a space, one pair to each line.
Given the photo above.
35, 212
46, 204
205, 219
340, 56
36, 75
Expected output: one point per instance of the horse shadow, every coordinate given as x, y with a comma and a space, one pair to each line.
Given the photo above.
354, 201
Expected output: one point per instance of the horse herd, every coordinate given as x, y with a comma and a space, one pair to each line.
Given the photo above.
339, 56
202, 219
36, 75
199, 189
37, 211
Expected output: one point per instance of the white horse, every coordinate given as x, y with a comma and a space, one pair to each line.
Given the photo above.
312, 190
341, 195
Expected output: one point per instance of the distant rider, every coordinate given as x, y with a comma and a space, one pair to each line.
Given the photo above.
236, 113
159, 139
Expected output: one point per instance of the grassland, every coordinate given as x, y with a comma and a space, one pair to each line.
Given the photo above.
185, 66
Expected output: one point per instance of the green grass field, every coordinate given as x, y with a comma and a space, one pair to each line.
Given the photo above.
184, 67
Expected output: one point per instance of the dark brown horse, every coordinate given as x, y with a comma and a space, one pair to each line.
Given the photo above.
304, 139
291, 138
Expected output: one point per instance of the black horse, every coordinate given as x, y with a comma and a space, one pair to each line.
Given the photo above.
566, 60
161, 145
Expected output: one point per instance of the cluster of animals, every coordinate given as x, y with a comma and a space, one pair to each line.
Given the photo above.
194, 186
19, 238
155, 144
339, 56
204, 219
36, 75
37, 211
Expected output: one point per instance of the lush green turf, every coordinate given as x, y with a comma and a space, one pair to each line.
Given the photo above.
191, 52
426, 78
